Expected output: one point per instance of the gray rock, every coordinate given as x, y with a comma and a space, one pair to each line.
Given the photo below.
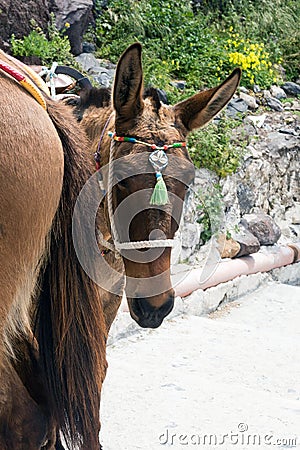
291, 88
277, 92
274, 104
295, 106
190, 235
247, 129
94, 67
88, 62
293, 214
266, 93
180, 84
263, 227
16, 16
235, 106
277, 142
256, 89
103, 78
288, 130
248, 242
246, 198
251, 102
77, 13
88, 47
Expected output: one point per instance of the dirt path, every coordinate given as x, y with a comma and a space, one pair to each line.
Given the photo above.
230, 380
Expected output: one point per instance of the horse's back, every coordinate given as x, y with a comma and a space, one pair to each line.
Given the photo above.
31, 173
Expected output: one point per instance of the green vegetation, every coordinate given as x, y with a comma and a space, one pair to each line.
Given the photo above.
211, 214
203, 48
54, 46
213, 149
200, 47
272, 22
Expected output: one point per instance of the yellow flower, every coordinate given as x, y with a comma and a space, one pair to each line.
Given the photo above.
67, 25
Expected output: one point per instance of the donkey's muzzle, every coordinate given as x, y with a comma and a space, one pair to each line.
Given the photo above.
148, 316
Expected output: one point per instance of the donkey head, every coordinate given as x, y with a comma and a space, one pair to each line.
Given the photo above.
143, 117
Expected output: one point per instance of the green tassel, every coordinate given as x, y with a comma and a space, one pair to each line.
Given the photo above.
160, 194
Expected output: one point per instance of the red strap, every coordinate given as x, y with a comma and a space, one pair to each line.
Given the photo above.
11, 71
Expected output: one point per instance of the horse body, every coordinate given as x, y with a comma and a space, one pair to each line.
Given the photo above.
31, 173
42, 171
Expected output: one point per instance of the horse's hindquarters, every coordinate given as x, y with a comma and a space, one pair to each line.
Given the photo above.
31, 172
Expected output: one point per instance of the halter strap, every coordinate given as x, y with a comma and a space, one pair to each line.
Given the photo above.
158, 165
137, 141
131, 245
97, 153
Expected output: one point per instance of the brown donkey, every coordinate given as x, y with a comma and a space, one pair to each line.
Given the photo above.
58, 383
146, 133
53, 381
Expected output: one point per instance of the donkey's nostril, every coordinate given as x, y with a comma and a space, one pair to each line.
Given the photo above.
137, 306
148, 316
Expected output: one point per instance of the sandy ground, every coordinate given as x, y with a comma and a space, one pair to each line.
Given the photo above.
225, 381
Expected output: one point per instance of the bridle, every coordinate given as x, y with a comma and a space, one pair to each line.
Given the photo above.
159, 161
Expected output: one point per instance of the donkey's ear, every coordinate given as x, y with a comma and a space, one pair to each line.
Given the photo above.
128, 86
201, 108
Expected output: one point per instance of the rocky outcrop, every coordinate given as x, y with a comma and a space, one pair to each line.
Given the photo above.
16, 17
77, 15
268, 179
102, 72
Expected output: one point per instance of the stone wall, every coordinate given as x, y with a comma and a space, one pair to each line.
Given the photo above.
268, 181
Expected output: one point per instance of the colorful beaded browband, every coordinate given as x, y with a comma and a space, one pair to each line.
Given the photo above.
137, 141
159, 161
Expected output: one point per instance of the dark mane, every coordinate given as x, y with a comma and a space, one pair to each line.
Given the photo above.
157, 96
98, 97
101, 98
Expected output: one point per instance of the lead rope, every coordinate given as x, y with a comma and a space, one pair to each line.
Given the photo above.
102, 241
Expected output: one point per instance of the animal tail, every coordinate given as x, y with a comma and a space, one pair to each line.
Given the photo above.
69, 318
